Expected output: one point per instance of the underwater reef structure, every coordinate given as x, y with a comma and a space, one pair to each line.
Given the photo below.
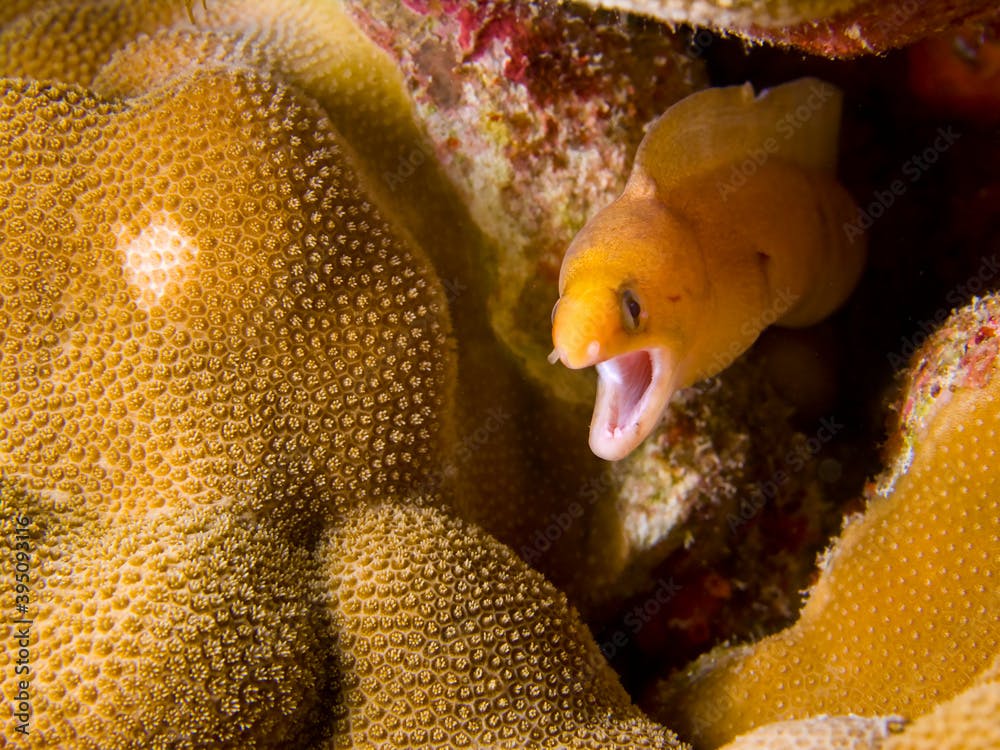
823, 733
966, 722
279, 468
534, 111
833, 28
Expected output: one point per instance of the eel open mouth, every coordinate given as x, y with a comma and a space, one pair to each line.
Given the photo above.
632, 391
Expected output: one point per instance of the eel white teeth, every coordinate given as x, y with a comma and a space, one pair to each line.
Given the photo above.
633, 390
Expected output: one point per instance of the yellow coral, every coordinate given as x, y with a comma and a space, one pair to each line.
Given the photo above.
201, 269
969, 721
183, 629
966, 722
450, 640
206, 319
904, 614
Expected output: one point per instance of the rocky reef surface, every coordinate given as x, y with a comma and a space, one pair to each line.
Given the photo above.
833, 28
282, 463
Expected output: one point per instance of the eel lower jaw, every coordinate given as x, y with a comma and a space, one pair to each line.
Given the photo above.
633, 391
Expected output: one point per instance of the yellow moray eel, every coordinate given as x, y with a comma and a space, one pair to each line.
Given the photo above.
731, 220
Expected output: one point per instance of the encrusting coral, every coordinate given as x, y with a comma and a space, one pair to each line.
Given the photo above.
533, 110
903, 616
203, 315
966, 722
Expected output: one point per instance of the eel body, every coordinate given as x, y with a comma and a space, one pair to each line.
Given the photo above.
732, 220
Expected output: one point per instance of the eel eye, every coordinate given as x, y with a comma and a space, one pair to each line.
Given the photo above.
630, 310
554, 308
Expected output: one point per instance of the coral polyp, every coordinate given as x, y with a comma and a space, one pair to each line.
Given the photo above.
217, 256
449, 640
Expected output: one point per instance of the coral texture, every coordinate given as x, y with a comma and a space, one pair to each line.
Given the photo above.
230, 403
202, 310
736, 13
200, 266
450, 641
966, 722
730, 503
533, 110
162, 631
904, 613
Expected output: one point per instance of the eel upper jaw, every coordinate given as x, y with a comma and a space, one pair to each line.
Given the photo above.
633, 391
